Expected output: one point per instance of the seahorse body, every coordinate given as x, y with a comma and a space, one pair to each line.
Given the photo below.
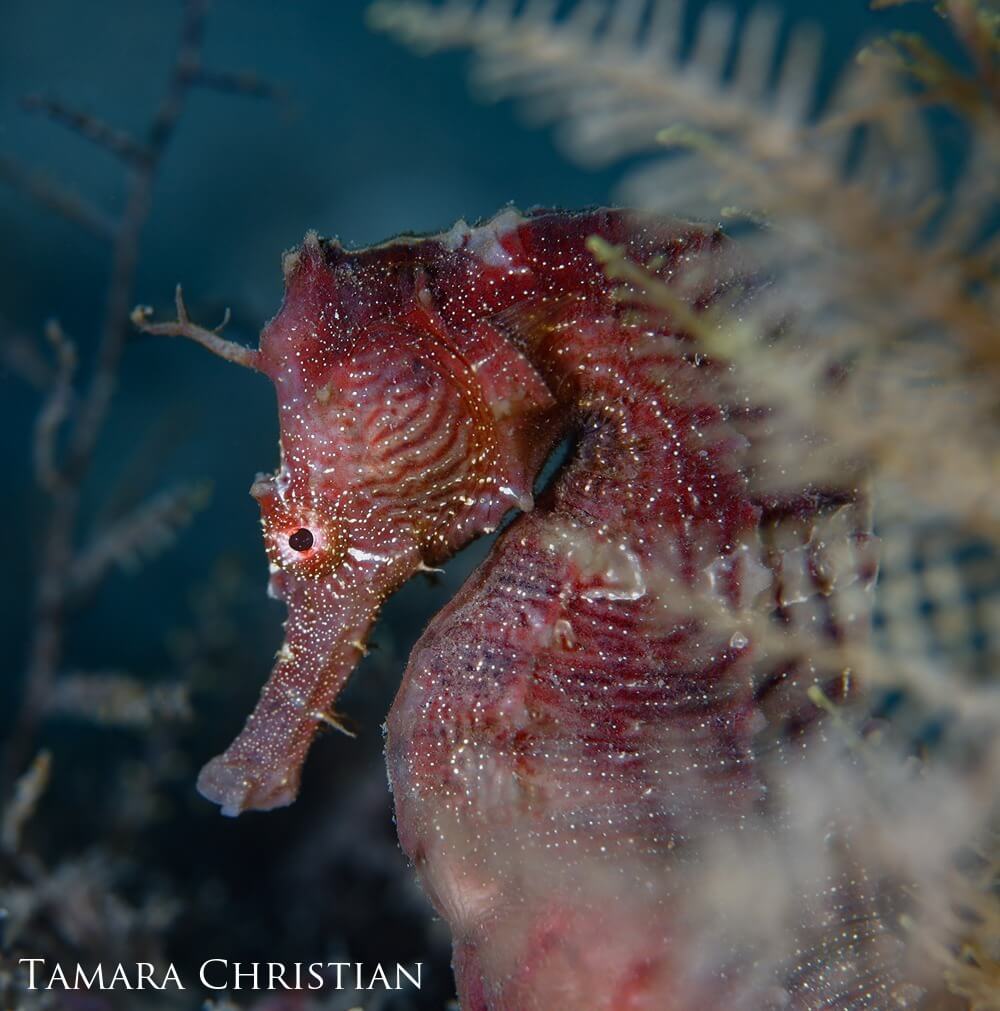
587, 713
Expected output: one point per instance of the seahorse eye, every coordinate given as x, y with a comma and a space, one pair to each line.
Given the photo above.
301, 540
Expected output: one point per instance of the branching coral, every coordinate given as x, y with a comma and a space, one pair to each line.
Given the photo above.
86, 904
72, 419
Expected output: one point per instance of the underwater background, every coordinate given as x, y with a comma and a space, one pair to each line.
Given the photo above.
365, 140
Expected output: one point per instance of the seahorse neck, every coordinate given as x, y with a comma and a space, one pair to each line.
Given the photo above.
655, 460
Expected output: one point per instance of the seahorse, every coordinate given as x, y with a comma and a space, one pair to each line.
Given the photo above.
589, 712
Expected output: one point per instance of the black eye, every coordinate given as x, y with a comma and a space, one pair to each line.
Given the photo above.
301, 540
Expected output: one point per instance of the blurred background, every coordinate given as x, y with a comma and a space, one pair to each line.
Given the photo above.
365, 140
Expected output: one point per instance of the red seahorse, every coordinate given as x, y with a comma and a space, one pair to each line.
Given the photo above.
575, 724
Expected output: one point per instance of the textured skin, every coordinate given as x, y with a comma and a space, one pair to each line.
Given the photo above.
589, 712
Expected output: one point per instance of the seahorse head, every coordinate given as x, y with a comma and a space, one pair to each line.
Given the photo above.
402, 434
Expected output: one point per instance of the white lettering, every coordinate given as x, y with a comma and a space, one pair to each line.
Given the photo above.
170, 976
31, 969
204, 980
119, 976
240, 973
276, 975
400, 971
379, 975
82, 982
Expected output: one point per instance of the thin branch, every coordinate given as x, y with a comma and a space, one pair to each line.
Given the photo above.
54, 410
183, 327
239, 82
141, 534
116, 317
62, 576
21, 356
119, 143
187, 67
57, 552
27, 793
56, 198
113, 698
976, 25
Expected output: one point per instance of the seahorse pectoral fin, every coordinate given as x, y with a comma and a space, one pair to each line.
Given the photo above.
262, 768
